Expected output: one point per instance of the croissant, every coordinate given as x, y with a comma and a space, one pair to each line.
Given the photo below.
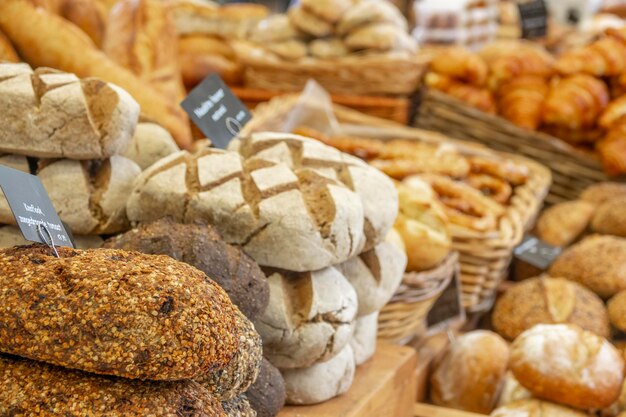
604, 57
460, 64
613, 113
477, 97
511, 59
521, 100
575, 102
612, 149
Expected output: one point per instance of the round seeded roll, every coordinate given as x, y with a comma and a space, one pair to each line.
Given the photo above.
563, 223
33, 388
597, 262
322, 381
471, 374
201, 246
617, 311
267, 394
545, 300
535, 408
114, 312
599, 193
239, 407
568, 365
227, 383
610, 217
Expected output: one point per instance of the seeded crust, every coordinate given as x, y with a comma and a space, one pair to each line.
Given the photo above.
267, 394
201, 246
239, 407
610, 217
33, 388
113, 312
225, 384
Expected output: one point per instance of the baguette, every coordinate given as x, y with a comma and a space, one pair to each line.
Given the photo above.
52, 391
59, 44
7, 52
50, 114
142, 38
113, 312
88, 15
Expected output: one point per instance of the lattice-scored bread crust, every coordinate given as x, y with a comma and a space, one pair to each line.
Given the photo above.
295, 219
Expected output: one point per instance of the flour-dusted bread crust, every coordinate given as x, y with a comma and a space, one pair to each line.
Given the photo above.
113, 312
30, 388
545, 300
20, 163
294, 219
568, 365
376, 191
310, 317
512, 391
363, 340
90, 196
267, 394
322, 381
200, 246
149, 144
375, 276
52, 114
471, 374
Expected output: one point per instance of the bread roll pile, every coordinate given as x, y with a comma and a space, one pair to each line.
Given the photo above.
333, 29
316, 220
111, 332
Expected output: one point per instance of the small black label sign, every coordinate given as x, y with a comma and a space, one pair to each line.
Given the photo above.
534, 19
216, 111
536, 252
31, 206
448, 308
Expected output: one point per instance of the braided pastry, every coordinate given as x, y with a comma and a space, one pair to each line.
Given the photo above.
521, 100
495, 188
506, 170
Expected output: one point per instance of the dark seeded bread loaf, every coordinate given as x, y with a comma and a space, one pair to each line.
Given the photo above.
239, 407
33, 388
114, 312
267, 394
201, 246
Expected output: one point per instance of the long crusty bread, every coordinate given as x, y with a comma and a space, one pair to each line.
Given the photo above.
59, 44
142, 38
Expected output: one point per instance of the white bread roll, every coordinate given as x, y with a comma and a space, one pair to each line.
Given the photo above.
149, 144
363, 340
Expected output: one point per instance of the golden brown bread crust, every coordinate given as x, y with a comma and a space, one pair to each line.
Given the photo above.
521, 100
53, 391
142, 38
568, 365
546, 300
89, 15
600, 192
604, 57
617, 311
535, 408
59, 44
471, 373
610, 217
114, 312
597, 262
563, 223
7, 52
461, 64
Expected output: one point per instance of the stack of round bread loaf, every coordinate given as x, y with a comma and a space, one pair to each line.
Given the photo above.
83, 142
332, 29
111, 332
316, 220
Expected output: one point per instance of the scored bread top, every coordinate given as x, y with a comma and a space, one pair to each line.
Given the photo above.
295, 219
52, 114
54, 391
114, 312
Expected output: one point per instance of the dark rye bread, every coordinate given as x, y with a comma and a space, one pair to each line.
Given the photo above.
114, 312
201, 246
267, 394
239, 407
33, 388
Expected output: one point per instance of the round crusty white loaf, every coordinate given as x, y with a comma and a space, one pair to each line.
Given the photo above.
363, 340
310, 317
375, 276
294, 219
52, 114
322, 381
149, 144
91, 196
377, 192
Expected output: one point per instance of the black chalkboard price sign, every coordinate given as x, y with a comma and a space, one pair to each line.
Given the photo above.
217, 112
534, 19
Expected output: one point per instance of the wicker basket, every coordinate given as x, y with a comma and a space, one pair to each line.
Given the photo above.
484, 257
572, 170
404, 317
353, 75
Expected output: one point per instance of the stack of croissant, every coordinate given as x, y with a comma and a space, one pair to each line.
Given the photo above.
579, 97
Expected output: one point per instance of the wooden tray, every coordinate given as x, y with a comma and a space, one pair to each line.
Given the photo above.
427, 410
384, 386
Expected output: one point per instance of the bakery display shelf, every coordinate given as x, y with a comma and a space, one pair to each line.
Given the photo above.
397, 109
427, 410
386, 385
572, 169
